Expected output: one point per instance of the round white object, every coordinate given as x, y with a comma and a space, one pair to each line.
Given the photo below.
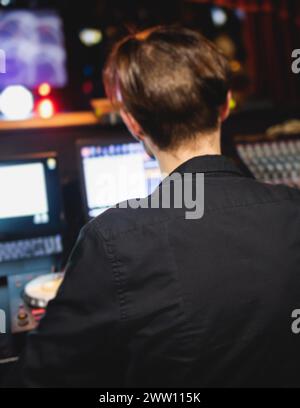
41, 290
16, 102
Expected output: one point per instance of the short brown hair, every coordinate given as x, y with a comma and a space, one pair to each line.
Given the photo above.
172, 80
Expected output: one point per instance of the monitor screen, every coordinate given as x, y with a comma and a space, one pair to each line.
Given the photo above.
33, 45
115, 173
30, 202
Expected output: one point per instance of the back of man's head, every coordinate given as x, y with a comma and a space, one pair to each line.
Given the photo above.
172, 80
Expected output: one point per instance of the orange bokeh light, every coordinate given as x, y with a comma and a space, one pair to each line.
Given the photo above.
44, 89
46, 109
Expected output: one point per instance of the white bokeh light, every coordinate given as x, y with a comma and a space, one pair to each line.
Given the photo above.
90, 36
16, 102
219, 16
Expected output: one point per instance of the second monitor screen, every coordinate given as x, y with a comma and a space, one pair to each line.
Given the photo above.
116, 173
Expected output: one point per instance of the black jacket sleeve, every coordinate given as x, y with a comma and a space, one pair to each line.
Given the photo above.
78, 343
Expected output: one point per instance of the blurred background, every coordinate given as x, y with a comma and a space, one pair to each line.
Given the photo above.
64, 43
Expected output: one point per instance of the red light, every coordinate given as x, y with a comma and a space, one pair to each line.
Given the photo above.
46, 109
44, 89
87, 87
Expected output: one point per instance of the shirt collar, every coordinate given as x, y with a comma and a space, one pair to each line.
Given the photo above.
209, 164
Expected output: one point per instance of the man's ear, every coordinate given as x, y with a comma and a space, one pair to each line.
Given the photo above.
132, 125
225, 109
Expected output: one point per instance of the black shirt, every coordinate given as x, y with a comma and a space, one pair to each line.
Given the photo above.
153, 299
